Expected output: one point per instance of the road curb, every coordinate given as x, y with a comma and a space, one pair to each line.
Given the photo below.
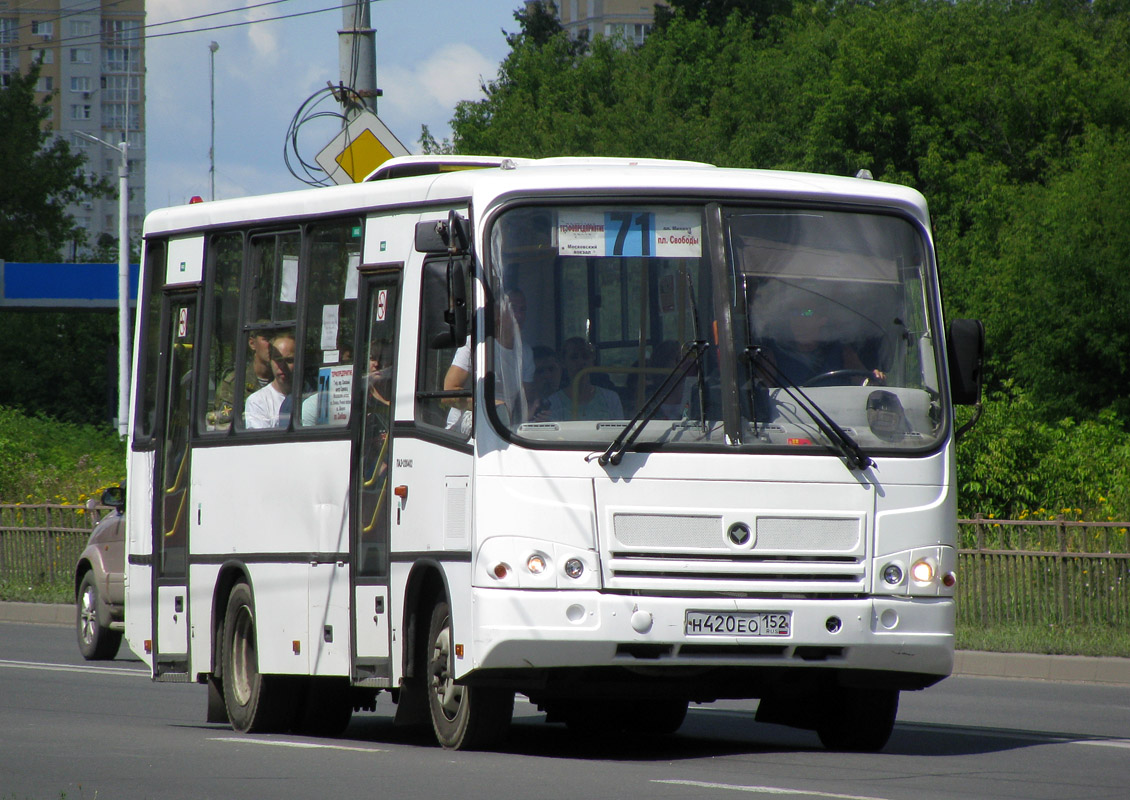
973, 663
41, 613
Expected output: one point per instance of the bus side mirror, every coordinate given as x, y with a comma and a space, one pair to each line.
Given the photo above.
965, 348
445, 303
451, 236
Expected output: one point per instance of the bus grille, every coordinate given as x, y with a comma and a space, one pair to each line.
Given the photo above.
794, 556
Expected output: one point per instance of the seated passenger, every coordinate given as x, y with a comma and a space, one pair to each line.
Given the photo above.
581, 399
270, 406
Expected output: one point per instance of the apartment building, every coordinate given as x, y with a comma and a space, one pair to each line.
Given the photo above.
92, 57
632, 18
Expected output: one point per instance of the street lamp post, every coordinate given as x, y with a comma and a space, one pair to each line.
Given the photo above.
212, 48
123, 278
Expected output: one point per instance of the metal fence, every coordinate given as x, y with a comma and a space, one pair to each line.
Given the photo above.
1043, 572
40, 544
1049, 572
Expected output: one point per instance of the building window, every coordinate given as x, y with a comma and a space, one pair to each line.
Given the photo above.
121, 59
121, 116
120, 31
46, 83
44, 29
44, 56
119, 88
80, 27
80, 112
81, 84
9, 59
9, 30
80, 55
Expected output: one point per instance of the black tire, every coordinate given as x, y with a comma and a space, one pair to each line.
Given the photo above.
255, 703
858, 720
325, 707
96, 642
463, 717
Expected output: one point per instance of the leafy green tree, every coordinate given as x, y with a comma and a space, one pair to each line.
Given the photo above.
41, 176
716, 12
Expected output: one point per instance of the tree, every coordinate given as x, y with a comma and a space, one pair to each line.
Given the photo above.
42, 175
716, 12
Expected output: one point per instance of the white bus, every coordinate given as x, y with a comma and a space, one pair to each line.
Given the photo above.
614, 435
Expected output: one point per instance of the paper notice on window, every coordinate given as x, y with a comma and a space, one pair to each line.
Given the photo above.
351, 276
288, 288
330, 323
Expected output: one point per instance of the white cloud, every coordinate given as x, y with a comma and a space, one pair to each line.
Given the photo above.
436, 82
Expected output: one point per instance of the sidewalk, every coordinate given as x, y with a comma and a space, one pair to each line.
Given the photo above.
1074, 669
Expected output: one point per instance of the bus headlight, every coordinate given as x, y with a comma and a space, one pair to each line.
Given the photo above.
519, 562
922, 571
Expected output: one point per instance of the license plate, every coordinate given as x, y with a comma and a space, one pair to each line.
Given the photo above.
738, 623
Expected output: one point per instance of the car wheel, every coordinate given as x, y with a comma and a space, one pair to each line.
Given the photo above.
96, 642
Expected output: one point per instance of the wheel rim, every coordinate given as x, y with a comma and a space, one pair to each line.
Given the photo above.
244, 668
88, 614
447, 693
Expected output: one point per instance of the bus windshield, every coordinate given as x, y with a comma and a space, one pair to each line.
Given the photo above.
712, 327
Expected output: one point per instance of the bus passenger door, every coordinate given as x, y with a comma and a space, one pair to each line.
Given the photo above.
171, 499
372, 499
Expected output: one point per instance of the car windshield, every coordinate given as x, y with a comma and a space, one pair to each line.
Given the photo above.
706, 326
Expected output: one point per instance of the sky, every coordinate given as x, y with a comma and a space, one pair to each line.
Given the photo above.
430, 55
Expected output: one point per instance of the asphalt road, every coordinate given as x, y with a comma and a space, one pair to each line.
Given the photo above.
73, 729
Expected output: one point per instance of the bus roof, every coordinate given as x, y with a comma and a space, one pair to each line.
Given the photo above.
490, 179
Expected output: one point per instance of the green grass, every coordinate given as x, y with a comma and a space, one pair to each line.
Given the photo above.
15, 591
1077, 640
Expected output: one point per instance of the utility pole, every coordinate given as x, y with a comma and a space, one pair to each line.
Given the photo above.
357, 56
123, 277
212, 48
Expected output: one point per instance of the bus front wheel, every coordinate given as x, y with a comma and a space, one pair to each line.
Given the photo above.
858, 720
464, 717
255, 702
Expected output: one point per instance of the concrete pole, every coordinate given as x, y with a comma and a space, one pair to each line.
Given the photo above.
123, 290
357, 56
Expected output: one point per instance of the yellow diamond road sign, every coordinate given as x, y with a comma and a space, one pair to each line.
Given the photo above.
362, 146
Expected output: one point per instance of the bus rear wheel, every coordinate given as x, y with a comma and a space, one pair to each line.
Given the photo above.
463, 717
255, 703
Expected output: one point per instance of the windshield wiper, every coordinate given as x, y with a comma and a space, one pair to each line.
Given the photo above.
635, 426
842, 441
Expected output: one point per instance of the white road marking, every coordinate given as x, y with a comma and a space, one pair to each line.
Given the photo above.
143, 673
769, 790
1124, 743
298, 745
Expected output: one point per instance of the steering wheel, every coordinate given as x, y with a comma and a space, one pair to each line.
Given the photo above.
835, 376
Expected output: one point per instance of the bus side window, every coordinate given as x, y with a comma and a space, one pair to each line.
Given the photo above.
333, 252
433, 409
225, 253
146, 381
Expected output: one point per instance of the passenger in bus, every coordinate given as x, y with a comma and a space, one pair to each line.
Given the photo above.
513, 366
258, 375
269, 407
812, 350
581, 398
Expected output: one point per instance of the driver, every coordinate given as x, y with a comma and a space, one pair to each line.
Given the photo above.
811, 351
